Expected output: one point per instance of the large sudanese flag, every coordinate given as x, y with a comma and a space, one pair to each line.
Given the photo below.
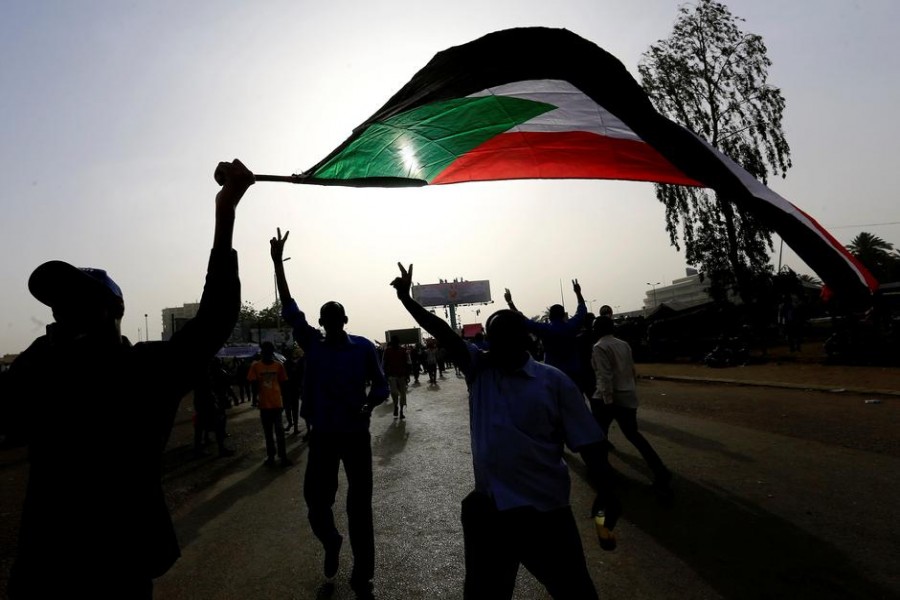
538, 103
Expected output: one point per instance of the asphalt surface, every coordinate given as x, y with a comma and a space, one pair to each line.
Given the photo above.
780, 493
759, 512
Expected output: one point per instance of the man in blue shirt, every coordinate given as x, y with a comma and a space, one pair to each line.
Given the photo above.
339, 367
559, 333
521, 412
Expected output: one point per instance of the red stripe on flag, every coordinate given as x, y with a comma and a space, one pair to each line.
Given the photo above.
566, 155
860, 268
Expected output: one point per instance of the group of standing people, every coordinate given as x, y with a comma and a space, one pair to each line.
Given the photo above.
103, 530
586, 349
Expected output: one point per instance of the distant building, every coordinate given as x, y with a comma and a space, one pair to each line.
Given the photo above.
175, 318
684, 292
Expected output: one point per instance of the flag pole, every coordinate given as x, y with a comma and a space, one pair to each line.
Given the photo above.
281, 178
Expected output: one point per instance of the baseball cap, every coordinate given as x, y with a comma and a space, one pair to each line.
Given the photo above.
57, 283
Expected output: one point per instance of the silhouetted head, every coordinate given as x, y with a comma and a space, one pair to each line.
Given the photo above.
508, 337
557, 313
84, 301
606, 311
267, 351
603, 326
332, 317
395, 341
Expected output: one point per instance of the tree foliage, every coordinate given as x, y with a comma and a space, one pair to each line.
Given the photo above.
712, 78
879, 256
268, 317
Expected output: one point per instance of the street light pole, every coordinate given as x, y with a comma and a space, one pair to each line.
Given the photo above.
146, 328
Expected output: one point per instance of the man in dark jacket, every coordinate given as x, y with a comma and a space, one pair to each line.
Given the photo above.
94, 522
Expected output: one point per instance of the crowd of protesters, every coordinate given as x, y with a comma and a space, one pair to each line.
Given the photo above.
104, 531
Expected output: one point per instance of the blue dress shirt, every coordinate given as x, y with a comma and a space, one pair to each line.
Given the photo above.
560, 349
337, 373
519, 422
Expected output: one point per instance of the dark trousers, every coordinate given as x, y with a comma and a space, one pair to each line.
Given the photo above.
546, 543
326, 452
292, 410
605, 414
272, 427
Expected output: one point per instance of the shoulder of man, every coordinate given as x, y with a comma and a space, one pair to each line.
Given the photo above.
358, 339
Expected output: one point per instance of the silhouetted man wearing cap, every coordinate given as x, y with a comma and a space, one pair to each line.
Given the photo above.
94, 522
338, 409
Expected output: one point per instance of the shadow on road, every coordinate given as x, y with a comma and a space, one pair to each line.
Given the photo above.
391, 442
741, 550
694, 442
255, 479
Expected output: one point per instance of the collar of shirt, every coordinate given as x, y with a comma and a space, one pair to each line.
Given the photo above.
342, 339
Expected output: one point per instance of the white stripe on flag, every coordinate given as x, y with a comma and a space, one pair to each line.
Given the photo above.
575, 111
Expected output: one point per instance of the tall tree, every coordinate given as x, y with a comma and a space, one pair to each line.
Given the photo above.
876, 254
712, 77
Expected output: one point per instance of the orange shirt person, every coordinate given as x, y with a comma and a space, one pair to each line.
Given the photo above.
267, 375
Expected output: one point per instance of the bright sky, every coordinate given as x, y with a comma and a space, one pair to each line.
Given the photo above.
115, 115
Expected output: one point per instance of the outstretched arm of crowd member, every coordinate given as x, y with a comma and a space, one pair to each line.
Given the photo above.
431, 323
581, 310
606, 503
235, 179
507, 295
303, 331
276, 249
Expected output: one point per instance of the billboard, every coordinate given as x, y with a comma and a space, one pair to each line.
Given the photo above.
412, 335
457, 292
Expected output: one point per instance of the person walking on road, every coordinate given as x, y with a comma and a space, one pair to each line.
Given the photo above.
338, 368
268, 376
94, 521
521, 414
396, 367
615, 397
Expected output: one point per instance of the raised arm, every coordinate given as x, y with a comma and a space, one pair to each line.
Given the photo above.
276, 249
234, 178
507, 295
201, 337
574, 324
290, 312
431, 323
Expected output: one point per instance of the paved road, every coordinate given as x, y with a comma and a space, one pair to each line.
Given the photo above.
757, 515
771, 503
